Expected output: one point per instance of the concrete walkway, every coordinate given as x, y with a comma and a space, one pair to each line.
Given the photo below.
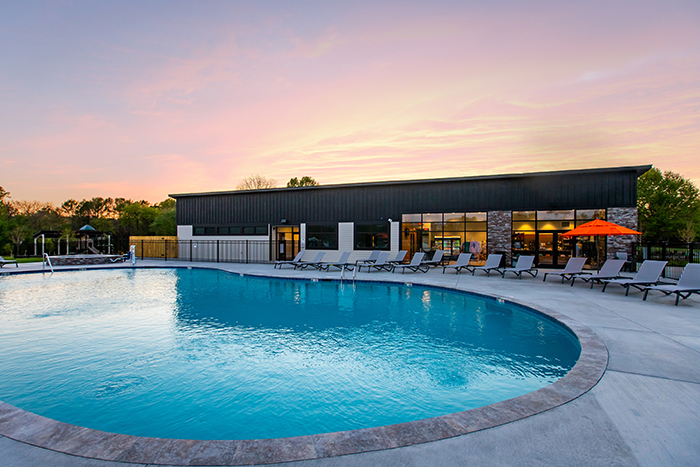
644, 411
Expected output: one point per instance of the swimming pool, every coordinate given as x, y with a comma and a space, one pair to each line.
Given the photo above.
204, 354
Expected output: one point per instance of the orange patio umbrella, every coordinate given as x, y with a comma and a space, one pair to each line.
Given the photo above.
599, 227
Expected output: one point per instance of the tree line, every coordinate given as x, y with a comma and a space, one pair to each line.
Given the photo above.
668, 205
122, 217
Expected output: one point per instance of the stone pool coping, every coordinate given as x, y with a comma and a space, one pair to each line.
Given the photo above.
43, 432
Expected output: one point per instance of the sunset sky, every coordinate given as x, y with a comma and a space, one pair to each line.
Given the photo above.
139, 99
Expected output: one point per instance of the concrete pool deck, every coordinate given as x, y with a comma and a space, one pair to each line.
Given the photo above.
644, 411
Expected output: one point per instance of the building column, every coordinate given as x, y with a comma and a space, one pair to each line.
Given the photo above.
626, 217
499, 233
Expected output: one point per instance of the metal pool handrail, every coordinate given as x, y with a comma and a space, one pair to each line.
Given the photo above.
47, 260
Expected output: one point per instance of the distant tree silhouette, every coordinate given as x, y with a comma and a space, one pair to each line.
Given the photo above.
305, 181
256, 182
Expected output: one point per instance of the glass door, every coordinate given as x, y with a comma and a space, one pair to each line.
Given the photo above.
546, 249
553, 250
565, 249
287, 243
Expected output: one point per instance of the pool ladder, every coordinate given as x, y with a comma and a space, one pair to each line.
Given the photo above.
47, 260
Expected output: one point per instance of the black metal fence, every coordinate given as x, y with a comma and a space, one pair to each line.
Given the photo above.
218, 251
677, 255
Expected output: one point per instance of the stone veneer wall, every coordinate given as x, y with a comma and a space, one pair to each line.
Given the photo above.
626, 217
81, 260
499, 233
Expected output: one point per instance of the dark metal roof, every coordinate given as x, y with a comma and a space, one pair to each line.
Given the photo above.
570, 189
639, 169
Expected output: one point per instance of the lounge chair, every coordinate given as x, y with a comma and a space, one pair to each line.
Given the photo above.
381, 263
436, 260
7, 261
688, 284
649, 274
415, 265
462, 263
294, 262
610, 270
623, 256
400, 256
311, 264
341, 264
573, 266
372, 258
524, 264
493, 263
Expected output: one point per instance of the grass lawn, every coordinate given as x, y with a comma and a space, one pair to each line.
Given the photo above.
27, 260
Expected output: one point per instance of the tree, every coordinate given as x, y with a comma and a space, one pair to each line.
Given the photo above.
165, 222
305, 181
135, 218
689, 232
667, 203
4, 221
256, 182
17, 236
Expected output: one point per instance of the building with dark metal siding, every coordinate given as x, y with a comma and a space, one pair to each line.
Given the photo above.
502, 203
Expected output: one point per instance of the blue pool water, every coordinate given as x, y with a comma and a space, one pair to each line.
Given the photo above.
204, 354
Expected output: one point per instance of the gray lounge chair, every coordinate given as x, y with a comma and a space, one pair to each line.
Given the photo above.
573, 266
623, 256
7, 261
436, 260
372, 258
610, 270
381, 263
493, 263
524, 264
400, 256
462, 263
311, 264
688, 284
649, 274
293, 262
341, 264
415, 265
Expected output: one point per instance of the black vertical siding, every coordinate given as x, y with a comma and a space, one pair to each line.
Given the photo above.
585, 189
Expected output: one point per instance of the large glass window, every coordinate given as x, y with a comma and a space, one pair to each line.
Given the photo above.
555, 215
371, 236
538, 233
322, 237
587, 215
452, 232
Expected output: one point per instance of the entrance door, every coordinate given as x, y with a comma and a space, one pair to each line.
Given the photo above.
546, 255
553, 251
287, 243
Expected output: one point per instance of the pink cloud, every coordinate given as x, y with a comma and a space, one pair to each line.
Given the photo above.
373, 93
